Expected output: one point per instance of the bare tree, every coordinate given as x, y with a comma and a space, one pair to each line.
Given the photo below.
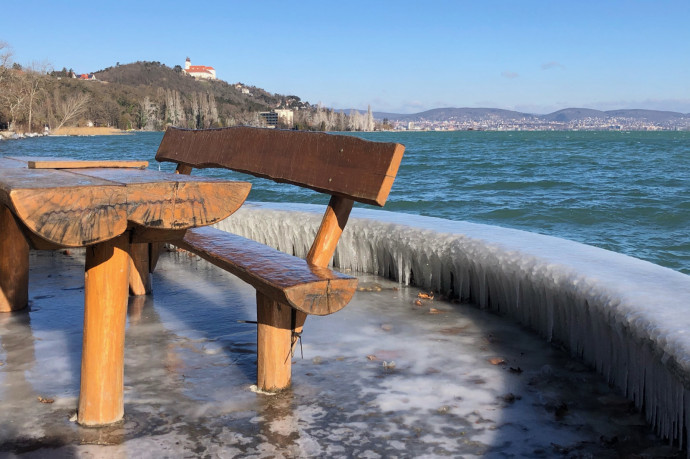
5, 73
147, 115
35, 79
14, 97
320, 118
369, 123
213, 109
354, 121
195, 122
174, 110
70, 108
5, 61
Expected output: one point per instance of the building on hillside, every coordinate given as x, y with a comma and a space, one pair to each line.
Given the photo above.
271, 118
242, 89
274, 116
199, 71
286, 116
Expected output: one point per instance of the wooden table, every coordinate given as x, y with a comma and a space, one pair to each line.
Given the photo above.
114, 212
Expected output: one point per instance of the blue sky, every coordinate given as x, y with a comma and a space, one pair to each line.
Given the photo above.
404, 57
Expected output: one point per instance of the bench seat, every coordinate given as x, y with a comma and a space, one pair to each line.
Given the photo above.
281, 277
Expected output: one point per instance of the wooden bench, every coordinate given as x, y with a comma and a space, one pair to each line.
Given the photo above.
288, 288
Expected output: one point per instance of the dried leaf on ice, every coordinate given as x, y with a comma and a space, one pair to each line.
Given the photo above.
372, 357
417, 303
426, 296
497, 361
389, 365
45, 400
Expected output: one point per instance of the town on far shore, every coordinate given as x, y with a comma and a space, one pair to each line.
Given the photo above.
570, 119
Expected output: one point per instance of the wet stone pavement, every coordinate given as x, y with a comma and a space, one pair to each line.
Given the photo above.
391, 375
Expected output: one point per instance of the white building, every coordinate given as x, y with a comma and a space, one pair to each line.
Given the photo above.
286, 116
199, 71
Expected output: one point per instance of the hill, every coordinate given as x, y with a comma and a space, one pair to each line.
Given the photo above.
573, 114
140, 95
655, 116
169, 96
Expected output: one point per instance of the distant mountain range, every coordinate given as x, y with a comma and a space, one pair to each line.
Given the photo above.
566, 115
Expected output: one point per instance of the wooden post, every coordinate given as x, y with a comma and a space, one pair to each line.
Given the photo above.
139, 276
154, 254
183, 169
325, 242
277, 322
14, 263
101, 399
274, 346
332, 226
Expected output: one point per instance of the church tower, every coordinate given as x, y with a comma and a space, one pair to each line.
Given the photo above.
187, 64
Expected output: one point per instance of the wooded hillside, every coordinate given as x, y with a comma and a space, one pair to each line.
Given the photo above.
142, 95
147, 96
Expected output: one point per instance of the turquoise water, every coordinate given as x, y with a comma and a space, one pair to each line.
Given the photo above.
626, 192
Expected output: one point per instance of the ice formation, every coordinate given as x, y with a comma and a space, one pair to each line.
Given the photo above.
626, 317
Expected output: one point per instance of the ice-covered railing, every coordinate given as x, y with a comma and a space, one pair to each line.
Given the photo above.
628, 318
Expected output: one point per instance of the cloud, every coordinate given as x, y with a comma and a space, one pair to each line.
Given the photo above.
510, 75
552, 65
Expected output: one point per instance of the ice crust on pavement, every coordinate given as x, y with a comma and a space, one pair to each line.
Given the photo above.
626, 317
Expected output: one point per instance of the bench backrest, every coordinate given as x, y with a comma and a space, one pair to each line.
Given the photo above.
338, 165
347, 168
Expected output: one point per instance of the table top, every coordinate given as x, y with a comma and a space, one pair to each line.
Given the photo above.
80, 206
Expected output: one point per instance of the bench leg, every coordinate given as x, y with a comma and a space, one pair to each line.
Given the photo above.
101, 399
14, 264
274, 344
139, 269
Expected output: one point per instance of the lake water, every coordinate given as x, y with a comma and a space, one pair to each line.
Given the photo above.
628, 192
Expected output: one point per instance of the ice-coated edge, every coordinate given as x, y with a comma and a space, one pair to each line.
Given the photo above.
626, 317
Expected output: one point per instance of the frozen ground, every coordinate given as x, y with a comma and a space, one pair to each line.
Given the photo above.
391, 375
623, 316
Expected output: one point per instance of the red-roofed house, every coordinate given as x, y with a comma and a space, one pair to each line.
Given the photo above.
199, 71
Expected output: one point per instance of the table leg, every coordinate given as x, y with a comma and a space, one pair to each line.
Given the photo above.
101, 399
139, 277
14, 263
